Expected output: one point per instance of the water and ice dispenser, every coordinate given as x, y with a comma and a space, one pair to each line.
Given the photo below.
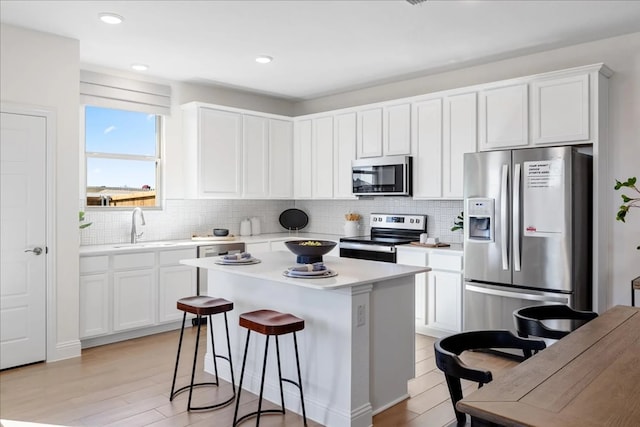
480, 219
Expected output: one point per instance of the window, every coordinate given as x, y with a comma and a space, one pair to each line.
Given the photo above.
122, 153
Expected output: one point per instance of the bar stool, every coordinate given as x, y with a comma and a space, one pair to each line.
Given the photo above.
203, 306
269, 322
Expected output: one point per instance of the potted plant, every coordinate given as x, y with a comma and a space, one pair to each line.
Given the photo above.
81, 219
458, 223
627, 202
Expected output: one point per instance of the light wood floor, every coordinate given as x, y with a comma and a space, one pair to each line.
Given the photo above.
128, 384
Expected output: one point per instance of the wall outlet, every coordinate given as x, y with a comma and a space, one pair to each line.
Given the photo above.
361, 316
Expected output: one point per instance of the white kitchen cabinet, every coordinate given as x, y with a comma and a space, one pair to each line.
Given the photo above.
255, 148
345, 127
213, 152
134, 299
280, 159
302, 153
94, 296
397, 130
460, 136
175, 281
445, 292
322, 158
417, 258
384, 131
370, 133
427, 161
561, 109
503, 115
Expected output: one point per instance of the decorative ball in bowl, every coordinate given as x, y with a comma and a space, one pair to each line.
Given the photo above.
309, 251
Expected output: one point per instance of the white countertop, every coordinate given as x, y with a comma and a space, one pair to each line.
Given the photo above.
351, 272
143, 245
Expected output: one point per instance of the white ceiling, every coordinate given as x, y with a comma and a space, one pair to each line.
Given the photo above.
320, 47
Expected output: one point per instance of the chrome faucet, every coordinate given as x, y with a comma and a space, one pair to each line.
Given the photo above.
134, 231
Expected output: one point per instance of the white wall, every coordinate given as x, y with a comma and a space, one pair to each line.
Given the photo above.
622, 55
42, 70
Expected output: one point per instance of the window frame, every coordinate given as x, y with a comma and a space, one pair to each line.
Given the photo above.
157, 159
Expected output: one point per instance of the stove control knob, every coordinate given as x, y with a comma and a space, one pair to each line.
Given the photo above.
411, 220
417, 220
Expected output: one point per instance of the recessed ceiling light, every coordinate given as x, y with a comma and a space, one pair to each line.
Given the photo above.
264, 59
110, 18
140, 67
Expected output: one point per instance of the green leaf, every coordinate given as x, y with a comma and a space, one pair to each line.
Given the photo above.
625, 198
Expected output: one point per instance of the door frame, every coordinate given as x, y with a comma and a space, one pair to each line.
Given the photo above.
50, 222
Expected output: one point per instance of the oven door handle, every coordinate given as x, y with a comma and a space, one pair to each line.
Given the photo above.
368, 248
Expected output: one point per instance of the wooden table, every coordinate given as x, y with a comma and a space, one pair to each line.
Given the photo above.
589, 378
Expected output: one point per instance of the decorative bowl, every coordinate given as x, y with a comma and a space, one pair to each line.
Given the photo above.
309, 251
220, 232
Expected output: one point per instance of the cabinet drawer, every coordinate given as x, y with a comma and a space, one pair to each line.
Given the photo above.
94, 264
174, 257
133, 261
445, 262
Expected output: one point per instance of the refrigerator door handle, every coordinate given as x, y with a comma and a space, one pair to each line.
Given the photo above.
518, 295
503, 216
516, 217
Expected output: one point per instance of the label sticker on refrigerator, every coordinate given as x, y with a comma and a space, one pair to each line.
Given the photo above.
543, 198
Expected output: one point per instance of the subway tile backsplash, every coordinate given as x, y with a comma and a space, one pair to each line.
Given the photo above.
180, 219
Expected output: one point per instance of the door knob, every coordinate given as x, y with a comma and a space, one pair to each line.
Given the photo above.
35, 250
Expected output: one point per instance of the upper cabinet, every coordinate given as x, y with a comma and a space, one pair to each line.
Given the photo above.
561, 109
503, 115
384, 131
302, 159
427, 161
322, 158
230, 153
344, 152
459, 137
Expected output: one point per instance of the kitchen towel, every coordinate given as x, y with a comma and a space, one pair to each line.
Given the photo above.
318, 266
241, 255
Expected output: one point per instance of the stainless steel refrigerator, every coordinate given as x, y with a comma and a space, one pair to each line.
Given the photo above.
527, 232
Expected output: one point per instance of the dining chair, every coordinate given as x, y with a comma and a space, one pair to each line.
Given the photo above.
529, 320
448, 350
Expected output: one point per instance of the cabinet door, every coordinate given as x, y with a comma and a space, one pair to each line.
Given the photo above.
280, 158
134, 299
460, 134
302, 159
174, 282
445, 301
322, 158
417, 258
344, 153
427, 162
220, 154
561, 110
397, 130
370, 133
504, 117
94, 304
255, 181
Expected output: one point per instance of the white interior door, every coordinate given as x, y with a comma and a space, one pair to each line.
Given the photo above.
23, 239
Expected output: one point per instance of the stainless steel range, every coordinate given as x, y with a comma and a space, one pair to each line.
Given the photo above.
387, 231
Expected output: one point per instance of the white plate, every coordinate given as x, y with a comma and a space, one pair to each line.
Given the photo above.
307, 273
248, 261
325, 274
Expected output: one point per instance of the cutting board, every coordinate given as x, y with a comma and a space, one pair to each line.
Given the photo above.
213, 238
427, 245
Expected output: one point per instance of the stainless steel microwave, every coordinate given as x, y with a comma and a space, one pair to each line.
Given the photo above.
382, 176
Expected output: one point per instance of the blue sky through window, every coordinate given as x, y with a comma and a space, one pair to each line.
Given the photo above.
120, 132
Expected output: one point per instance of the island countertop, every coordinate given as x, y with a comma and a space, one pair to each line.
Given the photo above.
351, 272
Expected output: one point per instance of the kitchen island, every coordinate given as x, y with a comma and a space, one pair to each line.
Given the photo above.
357, 349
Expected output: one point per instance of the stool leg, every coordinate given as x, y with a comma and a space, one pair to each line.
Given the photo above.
264, 368
295, 344
280, 374
175, 371
213, 350
244, 362
233, 382
195, 359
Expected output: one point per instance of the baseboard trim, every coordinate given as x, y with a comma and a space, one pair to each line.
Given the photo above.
65, 350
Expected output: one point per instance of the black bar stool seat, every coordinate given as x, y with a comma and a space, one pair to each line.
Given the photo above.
203, 306
270, 323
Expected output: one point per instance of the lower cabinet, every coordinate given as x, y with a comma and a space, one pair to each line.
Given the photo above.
438, 292
132, 293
